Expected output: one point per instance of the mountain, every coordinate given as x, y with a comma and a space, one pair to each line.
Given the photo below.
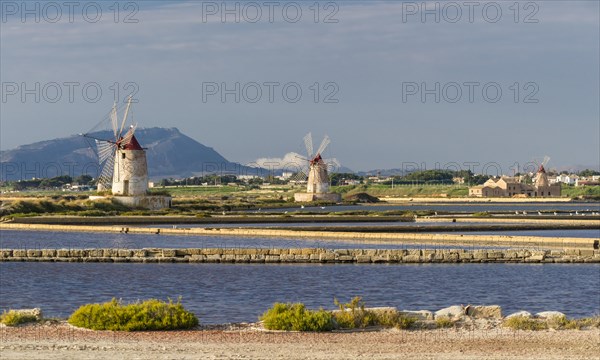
170, 154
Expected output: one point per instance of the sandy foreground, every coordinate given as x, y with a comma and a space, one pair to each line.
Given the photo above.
61, 341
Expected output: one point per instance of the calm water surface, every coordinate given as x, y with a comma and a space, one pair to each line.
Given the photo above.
458, 208
220, 293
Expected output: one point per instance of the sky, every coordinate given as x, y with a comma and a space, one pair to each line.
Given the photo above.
394, 84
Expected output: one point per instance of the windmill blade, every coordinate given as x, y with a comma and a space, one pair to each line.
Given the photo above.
546, 160
125, 116
309, 144
106, 175
114, 120
106, 150
300, 176
129, 134
324, 144
301, 157
332, 164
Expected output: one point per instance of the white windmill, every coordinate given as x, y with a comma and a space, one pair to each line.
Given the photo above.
317, 168
543, 187
541, 179
123, 164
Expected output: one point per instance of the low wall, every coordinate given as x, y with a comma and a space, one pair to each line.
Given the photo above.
307, 255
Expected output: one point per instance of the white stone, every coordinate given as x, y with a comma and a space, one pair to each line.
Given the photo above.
452, 311
484, 311
522, 313
418, 314
549, 314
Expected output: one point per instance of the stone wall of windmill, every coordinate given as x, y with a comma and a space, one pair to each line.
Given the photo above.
131, 173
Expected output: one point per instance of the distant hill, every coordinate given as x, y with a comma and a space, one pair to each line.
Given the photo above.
170, 154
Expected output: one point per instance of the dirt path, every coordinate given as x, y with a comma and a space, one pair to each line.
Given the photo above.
59, 341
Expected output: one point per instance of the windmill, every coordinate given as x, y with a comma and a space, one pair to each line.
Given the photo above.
542, 179
316, 167
122, 160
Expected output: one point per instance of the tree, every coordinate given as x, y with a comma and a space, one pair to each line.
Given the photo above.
84, 180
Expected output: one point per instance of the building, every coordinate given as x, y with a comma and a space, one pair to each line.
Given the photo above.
569, 179
513, 187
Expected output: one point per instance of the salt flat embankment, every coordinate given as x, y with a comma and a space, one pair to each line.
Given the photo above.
306, 255
347, 236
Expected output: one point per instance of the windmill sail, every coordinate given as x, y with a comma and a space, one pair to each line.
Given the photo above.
324, 144
309, 144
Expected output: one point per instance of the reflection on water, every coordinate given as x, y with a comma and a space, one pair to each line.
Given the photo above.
220, 293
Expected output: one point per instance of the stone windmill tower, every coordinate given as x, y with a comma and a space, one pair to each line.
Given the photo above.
317, 186
543, 188
124, 169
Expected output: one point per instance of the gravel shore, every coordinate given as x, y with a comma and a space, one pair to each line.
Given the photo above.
58, 340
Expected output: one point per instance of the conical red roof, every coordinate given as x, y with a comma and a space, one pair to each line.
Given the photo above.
133, 144
541, 169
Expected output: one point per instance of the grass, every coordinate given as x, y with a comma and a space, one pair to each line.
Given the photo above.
524, 323
13, 318
410, 190
481, 214
140, 316
295, 317
354, 315
351, 315
586, 192
444, 322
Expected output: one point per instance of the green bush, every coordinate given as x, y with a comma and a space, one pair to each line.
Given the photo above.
297, 318
443, 322
524, 323
482, 214
148, 315
92, 213
13, 318
353, 315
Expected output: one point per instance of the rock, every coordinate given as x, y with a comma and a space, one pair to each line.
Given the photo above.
549, 314
522, 313
455, 311
484, 312
419, 314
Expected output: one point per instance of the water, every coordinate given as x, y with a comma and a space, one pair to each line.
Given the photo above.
588, 233
323, 224
220, 293
456, 208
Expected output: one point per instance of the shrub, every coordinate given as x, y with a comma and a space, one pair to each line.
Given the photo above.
443, 322
13, 318
148, 315
524, 323
354, 315
590, 322
482, 214
406, 322
92, 213
297, 318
